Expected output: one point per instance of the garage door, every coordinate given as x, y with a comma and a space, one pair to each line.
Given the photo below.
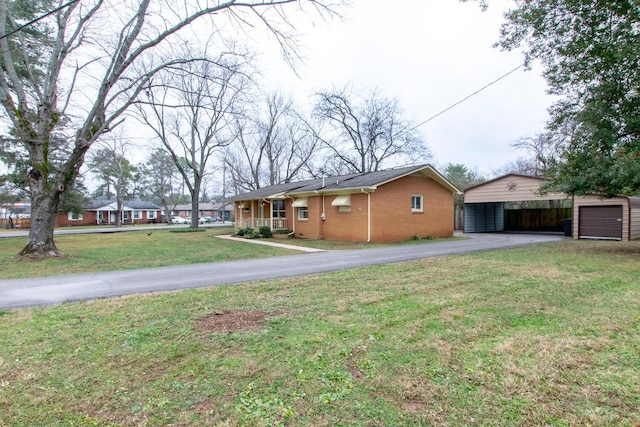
601, 222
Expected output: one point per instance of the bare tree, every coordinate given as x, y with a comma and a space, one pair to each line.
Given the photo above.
87, 62
191, 110
539, 151
364, 134
274, 145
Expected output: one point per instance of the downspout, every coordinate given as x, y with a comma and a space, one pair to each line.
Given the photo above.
293, 219
264, 203
323, 217
368, 214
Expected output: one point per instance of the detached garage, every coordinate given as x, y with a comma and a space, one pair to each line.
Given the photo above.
613, 219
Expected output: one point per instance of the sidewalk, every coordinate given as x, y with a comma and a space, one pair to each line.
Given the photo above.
269, 243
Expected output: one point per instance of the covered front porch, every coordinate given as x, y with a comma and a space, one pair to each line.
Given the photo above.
267, 212
274, 224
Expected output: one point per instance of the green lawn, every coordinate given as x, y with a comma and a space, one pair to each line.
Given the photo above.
544, 335
87, 253
130, 250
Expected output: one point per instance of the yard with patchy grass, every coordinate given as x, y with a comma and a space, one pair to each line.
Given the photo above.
543, 335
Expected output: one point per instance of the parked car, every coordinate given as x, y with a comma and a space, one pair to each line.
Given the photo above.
205, 219
178, 220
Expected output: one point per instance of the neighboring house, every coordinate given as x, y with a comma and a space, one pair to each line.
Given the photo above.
487, 209
213, 210
385, 206
103, 212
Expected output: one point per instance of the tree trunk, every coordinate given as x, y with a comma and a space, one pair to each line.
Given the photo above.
43, 218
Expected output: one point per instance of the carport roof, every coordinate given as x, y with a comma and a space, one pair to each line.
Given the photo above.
511, 187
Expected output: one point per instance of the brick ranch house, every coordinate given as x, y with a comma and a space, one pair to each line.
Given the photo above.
103, 212
385, 206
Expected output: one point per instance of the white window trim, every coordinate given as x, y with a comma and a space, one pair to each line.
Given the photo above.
303, 209
72, 217
137, 214
419, 197
151, 215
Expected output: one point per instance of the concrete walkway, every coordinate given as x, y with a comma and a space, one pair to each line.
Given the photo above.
54, 290
269, 242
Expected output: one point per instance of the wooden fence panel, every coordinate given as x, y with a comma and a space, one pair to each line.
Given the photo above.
19, 223
536, 219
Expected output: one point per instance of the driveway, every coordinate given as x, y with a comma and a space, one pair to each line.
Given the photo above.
44, 291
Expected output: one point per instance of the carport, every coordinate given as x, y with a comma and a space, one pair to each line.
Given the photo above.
512, 203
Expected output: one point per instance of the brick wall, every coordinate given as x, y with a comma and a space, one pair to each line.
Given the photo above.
391, 217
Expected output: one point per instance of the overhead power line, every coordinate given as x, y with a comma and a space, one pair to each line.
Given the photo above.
469, 96
33, 21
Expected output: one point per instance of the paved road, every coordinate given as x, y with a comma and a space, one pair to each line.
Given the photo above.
110, 229
23, 293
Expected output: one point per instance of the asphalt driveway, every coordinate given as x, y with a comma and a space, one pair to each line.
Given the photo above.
21, 293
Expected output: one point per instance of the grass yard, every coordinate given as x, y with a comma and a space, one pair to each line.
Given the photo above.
137, 249
130, 250
544, 335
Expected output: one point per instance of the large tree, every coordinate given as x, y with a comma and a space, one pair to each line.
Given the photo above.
161, 175
273, 145
114, 173
364, 131
86, 63
589, 50
191, 111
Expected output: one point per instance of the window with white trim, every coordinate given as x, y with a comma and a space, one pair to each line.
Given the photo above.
278, 209
416, 203
137, 214
151, 214
303, 213
125, 215
74, 216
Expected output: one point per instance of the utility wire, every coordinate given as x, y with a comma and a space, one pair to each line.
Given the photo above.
469, 96
33, 21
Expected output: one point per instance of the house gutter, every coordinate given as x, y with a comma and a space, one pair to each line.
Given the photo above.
293, 220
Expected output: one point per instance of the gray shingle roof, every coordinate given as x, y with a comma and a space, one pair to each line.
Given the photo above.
336, 183
133, 204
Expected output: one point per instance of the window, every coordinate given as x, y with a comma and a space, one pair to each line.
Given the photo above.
416, 203
344, 209
277, 209
137, 214
303, 213
125, 215
151, 214
74, 216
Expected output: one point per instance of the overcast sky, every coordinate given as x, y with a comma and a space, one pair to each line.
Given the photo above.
428, 54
